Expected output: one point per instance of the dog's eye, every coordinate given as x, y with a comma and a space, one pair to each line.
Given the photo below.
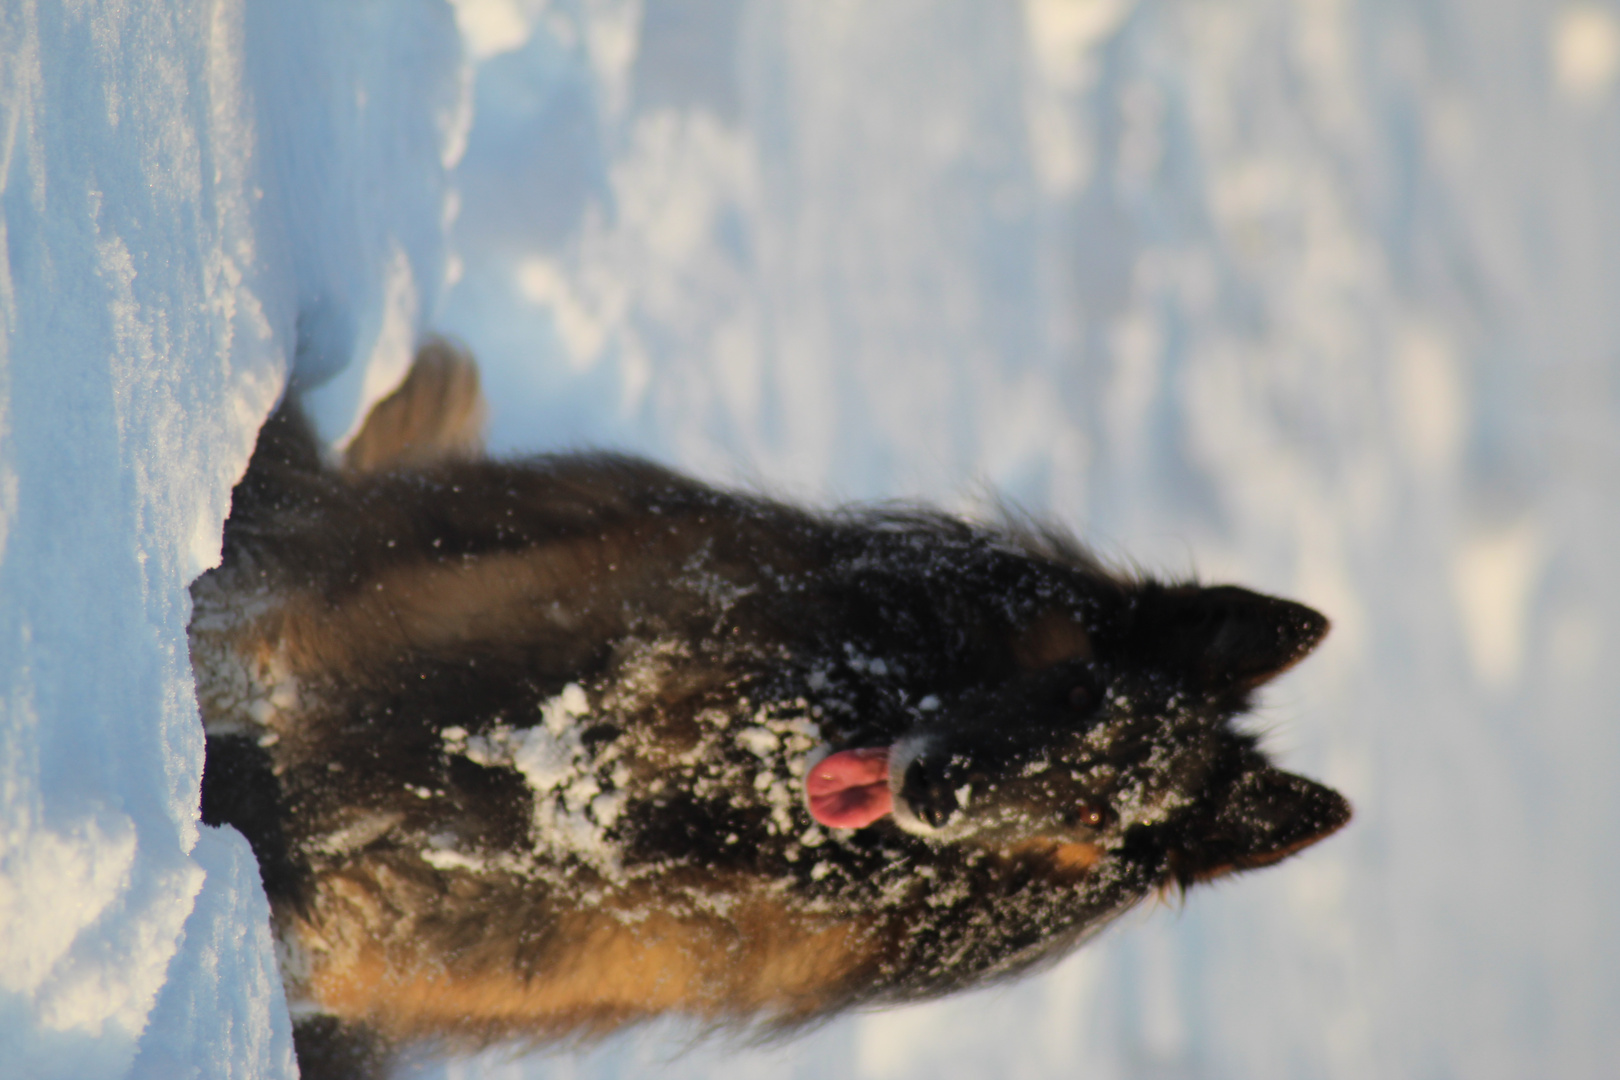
1090, 815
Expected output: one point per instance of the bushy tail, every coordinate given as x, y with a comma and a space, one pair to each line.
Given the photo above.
436, 414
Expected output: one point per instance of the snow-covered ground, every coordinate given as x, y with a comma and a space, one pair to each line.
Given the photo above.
1322, 296
192, 193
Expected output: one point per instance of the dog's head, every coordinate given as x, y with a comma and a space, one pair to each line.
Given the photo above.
1111, 733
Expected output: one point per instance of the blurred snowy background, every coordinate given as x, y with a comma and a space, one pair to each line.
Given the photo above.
1321, 296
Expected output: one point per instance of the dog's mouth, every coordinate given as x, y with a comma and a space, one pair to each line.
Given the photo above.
850, 789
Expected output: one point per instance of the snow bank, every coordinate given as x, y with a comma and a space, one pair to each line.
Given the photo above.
193, 194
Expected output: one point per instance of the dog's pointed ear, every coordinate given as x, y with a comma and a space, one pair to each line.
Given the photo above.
1265, 815
1237, 639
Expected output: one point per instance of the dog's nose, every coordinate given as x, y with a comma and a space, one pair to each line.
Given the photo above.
929, 793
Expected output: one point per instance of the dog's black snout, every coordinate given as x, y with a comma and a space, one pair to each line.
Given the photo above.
929, 793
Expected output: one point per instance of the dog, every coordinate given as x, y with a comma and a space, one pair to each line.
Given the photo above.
536, 749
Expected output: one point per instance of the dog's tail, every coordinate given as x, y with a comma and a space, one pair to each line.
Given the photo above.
437, 414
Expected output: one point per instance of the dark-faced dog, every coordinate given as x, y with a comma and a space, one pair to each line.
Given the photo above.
536, 749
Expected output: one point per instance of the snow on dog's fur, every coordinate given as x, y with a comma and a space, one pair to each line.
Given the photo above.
536, 749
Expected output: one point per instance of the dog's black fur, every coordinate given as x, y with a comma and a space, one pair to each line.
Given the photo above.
521, 746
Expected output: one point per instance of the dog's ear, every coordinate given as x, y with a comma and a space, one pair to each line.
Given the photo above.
1234, 639
1264, 815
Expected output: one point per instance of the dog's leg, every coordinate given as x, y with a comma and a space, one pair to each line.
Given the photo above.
240, 788
436, 414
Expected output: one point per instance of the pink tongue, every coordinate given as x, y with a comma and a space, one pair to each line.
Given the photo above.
850, 789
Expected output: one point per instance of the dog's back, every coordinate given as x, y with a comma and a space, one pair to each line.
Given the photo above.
536, 749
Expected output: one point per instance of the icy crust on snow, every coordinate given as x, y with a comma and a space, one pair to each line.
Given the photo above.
195, 196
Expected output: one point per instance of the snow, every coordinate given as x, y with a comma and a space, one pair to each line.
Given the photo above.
1317, 297
174, 227
572, 811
